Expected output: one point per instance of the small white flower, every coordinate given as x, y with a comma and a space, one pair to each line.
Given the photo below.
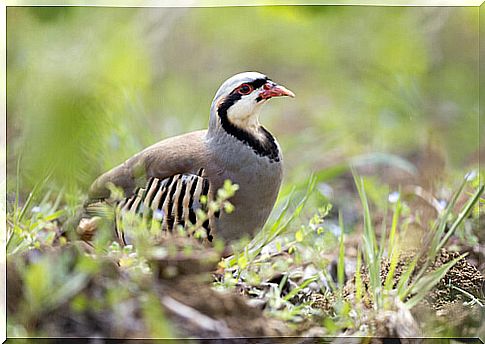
326, 190
441, 204
393, 197
471, 175
158, 215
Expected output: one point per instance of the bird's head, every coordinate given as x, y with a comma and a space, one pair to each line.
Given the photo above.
240, 98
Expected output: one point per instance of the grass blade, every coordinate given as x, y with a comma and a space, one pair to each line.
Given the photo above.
426, 283
370, 245
440, 226
461, 216
472, 297
438, 240
303, 285
392, 249
341, 256
392, 233
388, 283
405, 278
359, 290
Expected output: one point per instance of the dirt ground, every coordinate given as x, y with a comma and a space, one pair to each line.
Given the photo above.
195, 309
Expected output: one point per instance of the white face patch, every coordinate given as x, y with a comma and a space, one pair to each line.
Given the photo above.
245, 113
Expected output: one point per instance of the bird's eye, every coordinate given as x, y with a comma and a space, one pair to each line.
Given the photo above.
245, 89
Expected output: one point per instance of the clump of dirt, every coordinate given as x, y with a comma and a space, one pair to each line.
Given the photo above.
323, 302
231, 314
463, 282
125, 302
456, 302
462, 275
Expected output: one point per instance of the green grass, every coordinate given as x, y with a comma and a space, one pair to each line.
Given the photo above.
412, 285
292, 242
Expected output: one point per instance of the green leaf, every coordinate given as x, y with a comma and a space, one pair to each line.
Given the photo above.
299, 235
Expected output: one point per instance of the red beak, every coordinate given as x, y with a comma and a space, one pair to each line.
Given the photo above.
273, 90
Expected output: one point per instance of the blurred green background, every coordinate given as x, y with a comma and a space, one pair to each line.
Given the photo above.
88, 87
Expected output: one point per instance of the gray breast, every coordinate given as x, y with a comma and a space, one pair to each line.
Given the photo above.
259, 179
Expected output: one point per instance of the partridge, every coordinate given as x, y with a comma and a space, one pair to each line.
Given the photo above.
170, 176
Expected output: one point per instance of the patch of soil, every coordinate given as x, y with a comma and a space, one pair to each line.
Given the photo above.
230, 313
444, 302
462, 275
115, 302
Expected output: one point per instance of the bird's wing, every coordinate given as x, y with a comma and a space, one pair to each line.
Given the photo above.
171, 201
176, 155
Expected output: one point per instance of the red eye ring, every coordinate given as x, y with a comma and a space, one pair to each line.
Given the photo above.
245, 89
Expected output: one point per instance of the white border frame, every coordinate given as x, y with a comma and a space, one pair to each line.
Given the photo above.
147, 3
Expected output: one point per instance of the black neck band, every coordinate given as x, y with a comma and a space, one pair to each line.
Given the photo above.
265, 148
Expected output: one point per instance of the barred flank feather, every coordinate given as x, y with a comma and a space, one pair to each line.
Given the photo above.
176, 198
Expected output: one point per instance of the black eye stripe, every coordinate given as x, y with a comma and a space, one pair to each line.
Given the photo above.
254, 84
258, 83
